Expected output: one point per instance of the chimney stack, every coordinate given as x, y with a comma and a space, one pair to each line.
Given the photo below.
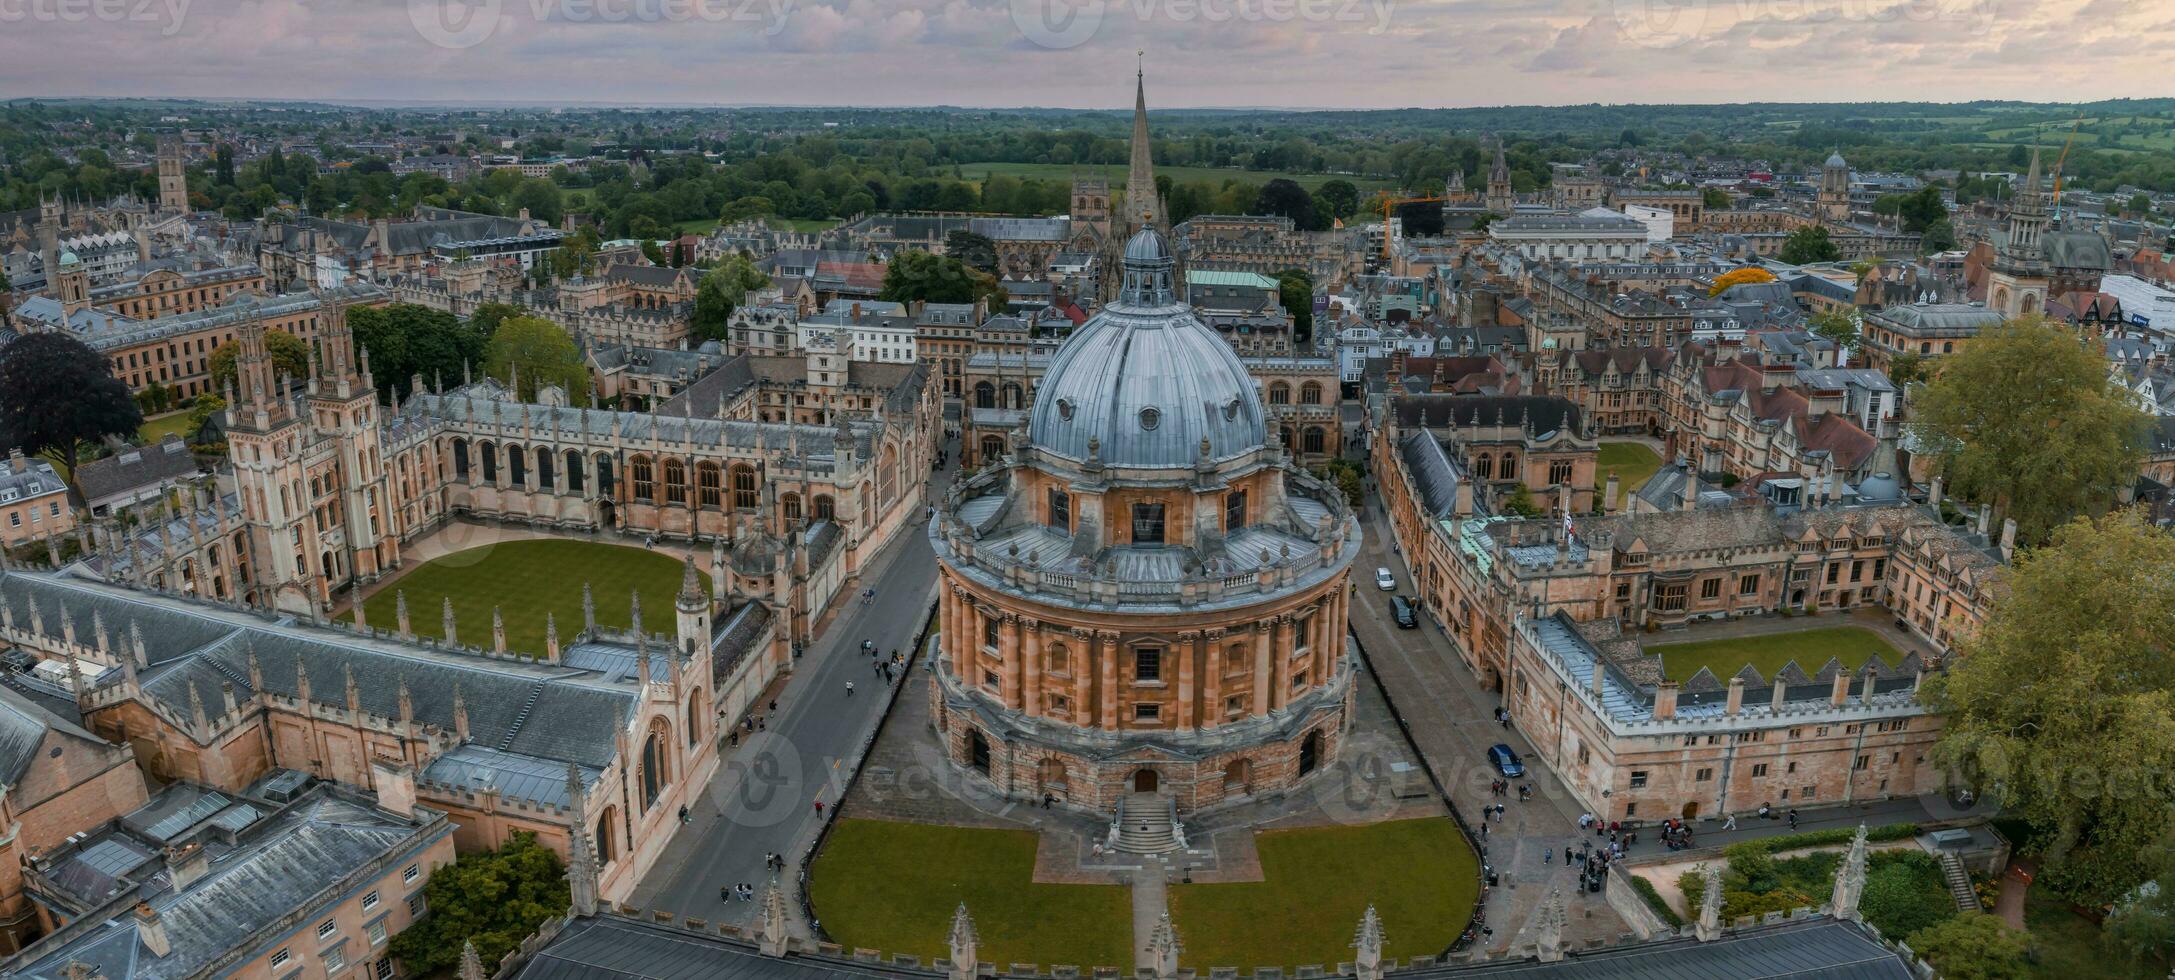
1736, 701
2008, 540
185, 864
151, 931
395, 781
1665, 701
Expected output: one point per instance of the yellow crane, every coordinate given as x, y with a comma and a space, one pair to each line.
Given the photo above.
2063, 159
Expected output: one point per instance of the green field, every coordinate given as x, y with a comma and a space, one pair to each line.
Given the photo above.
526, 579
893, 886
153, 430
1811, 648
1420, 876
1116, 174
1632, 462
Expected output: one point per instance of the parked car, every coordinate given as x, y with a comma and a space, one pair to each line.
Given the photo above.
1505, 761
1384, 580
1401, 608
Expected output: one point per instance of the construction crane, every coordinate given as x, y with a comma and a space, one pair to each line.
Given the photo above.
2063, 159
1391, 204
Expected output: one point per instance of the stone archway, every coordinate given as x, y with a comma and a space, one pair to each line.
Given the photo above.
1310, 752
1145, 780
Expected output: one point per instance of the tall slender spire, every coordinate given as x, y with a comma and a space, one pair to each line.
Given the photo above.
1143, 207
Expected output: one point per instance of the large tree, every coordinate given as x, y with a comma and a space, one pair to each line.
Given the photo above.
2025, 418
494, 899
1340, 197
289, 358
1809, 244
1284, 196
976, 251
542, 353
406, 340
1974, 946
56, 395
2061, 708
932, 278
1295, 291
722, 291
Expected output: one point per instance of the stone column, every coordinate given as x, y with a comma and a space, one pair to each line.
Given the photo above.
1189, 650
1211, 677
1031, 668
1106, 650
1280, 656
1079, 663
1264, 668
947, 618
1008, 651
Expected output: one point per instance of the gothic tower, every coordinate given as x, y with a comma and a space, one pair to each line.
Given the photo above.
71, 285
265, 441
173, 180
2018, 278
1143, 205
1835, 189
1499, 199
343, 401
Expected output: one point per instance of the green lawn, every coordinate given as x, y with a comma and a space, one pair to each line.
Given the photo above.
1632, 462
893, 886
1418, 874
176, 423
525, 579
1116, 174
1811, 648
2066, 945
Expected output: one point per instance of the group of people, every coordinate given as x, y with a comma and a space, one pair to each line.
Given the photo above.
750, 725
1502, 787
745, 891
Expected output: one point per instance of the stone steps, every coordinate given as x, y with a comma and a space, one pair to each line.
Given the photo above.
1959, 883
1144, 825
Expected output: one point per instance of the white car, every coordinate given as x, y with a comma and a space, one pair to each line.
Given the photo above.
1384, 580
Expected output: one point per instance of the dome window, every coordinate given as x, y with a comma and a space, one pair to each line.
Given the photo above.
1150, 418
1231, 410
1064, 409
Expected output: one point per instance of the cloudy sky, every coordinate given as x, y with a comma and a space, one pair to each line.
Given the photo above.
1300, 53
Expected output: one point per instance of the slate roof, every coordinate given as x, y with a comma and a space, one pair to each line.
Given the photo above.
614, 948
1433, 470
24, 725
1546, 413
140, 466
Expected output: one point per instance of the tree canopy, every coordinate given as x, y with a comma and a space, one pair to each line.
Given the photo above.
721, 292
60, 395
406, 340
1295, 291
976, 251
494, 899
1737, 277
2025, 418
2062, 706
1809, 244
541, 353
289, 357
932, 278
1973, 946
1283, 196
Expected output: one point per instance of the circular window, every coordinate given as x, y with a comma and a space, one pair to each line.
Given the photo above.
1231, 409
1150, 418
1064, 409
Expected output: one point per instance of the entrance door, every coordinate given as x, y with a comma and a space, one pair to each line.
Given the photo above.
1144, 781
1691, 812
978, 752
1310, 753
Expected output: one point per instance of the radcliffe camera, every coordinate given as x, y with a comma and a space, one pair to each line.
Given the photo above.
1081, 489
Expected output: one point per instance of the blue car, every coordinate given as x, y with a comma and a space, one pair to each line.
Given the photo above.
1506, 762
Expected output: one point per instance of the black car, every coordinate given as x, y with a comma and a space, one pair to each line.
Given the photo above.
1401, 608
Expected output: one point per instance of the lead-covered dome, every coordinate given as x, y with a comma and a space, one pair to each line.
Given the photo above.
1145, 380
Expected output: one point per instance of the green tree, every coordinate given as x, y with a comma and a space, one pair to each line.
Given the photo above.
2025, 418
2141, 204
542, 199
494, 899
975, 251
2061, 707
1940, 236
1840, 326
59, 396
289, 357
1715, 199
2142, 922
932, 278
1283, 196
406, 341
1809, 244
542, 353
1921, 208
1295, 290
1341, 197
1520, 503
722, 291
1974, 946
1906, 368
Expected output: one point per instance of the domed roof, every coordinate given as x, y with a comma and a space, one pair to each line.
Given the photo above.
1835, 159
69, 259
1145, 381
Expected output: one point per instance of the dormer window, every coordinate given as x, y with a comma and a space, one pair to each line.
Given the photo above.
1150, 418
1064, 409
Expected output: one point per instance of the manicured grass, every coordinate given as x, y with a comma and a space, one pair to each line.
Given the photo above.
1811, 648
2066, 945
892, 886
1116, 174
1418, 874
526, 579
176, 423
1632, 462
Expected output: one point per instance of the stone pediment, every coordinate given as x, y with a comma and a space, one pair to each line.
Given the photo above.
1702, 682
1828, 670
1751, 676
1792, 675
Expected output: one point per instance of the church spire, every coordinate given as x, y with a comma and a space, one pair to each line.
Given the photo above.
1144, 208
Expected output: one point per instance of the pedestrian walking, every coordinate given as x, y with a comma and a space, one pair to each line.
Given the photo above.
1793, 818
1548, 855
1729, 822
849, 689
819, 809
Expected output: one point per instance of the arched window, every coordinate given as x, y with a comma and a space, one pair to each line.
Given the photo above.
1060, 515
744, 496
604, 835
707, 484
1012, 397
887, 474
645, 482
460, 459
656, 764
574, 470
789, 507
490, 463
1509, 468
543, 468
1280, 394
985, 395
1310, 393
1484, 466
694, 719
1312, 440
1234, 511
992, 448
517, 465
605, 485
826, 510
675, 481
